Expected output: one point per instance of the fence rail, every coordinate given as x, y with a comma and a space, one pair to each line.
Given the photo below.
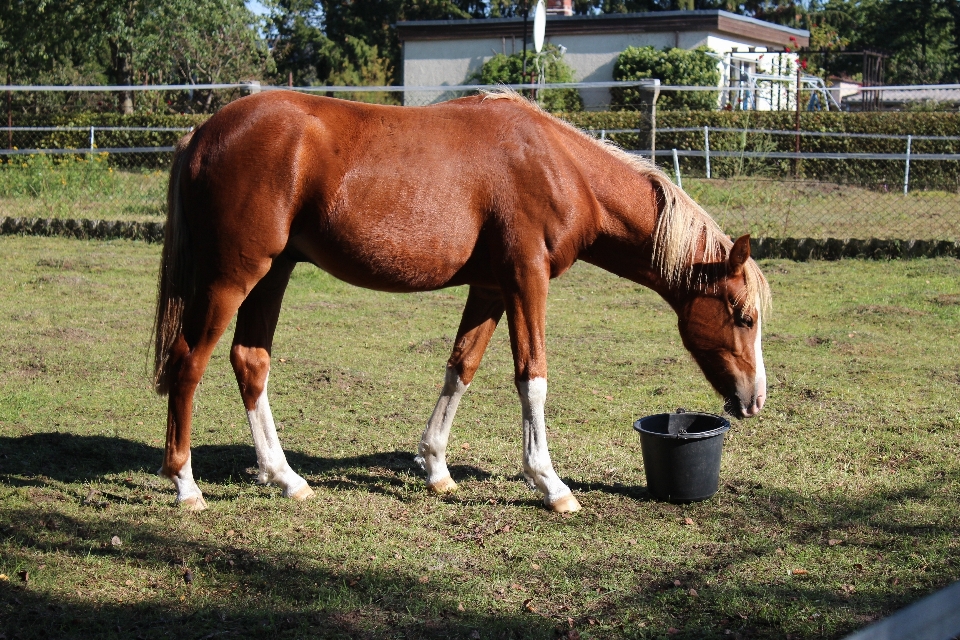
191, 98
751, 180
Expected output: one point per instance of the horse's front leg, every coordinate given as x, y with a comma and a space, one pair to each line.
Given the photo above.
526, 301
483, 311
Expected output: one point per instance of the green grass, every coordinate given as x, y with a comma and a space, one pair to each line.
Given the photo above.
83, 186
859, 443
92, 187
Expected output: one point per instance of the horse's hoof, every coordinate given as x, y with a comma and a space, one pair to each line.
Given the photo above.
303, 493
193, 503
442, 486
566, 504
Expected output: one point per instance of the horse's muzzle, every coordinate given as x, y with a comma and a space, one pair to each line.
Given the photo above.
746, 407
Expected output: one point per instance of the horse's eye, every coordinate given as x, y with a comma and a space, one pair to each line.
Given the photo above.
744, 321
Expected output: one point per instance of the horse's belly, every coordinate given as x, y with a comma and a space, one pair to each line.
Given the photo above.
388, 256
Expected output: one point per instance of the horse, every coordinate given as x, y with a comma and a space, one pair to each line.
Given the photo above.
487, 191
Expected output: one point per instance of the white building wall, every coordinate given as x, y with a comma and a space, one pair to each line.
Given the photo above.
433, 63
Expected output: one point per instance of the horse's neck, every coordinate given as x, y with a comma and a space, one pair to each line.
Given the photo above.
624, 245
624, 240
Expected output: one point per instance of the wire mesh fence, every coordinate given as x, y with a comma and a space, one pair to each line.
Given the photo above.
106, 173
750, 180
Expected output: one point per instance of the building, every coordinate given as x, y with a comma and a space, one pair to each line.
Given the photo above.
448, 52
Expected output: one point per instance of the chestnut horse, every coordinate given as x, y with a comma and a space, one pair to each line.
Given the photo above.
486, 191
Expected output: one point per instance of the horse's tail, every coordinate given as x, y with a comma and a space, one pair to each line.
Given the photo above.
176, 279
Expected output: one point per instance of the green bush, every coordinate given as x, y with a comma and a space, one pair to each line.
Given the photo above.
504, 69
672, 67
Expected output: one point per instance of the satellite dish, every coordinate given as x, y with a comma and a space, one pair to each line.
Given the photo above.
539, 25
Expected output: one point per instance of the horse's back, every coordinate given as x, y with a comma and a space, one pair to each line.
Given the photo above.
395, 198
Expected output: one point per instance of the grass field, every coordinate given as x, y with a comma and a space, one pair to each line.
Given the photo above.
89, 187
784, 209
84, 186
837, 505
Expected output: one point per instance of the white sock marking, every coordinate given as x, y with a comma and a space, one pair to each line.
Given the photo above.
760, 381
185, 484
273, 464
537, 466
433, 443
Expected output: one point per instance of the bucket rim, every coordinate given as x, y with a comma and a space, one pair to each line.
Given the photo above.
723, 428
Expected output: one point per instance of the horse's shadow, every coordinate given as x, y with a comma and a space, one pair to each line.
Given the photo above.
33, 459
634, 492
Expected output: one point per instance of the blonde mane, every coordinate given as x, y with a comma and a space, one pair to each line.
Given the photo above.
681, 225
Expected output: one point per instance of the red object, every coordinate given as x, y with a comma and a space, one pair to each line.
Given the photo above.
559, 7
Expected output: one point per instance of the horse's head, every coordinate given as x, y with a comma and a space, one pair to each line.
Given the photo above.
720, 326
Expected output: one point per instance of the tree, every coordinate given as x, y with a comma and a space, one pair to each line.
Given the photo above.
321, 41
125, 42
43, 41
548, 64
672, 67
920, 36
200, 42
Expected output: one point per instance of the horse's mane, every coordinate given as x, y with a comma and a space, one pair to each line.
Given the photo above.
681, 225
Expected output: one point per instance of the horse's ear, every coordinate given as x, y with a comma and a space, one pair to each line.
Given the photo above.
739, 254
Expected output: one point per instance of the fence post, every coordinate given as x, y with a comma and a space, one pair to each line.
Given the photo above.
796, 146
706, 148
603, 134
649, 91
676, 169
906, 171
91, 137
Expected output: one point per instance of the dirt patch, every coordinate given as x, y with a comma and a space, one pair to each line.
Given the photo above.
779, 337
27, 316
38, 495
816, 341
886, 310
70, 334
441, 344
343, 380
70, 264
947, 299
316, 306
69, 281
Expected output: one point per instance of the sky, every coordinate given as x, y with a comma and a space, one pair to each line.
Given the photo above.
256, 7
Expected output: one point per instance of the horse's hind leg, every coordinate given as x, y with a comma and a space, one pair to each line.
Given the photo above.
480, 317
250, 356
202, 328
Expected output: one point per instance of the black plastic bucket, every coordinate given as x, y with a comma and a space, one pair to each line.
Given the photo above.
681, 454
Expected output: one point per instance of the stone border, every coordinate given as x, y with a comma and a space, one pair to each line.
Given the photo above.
801, 249
798, 249
83, 229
